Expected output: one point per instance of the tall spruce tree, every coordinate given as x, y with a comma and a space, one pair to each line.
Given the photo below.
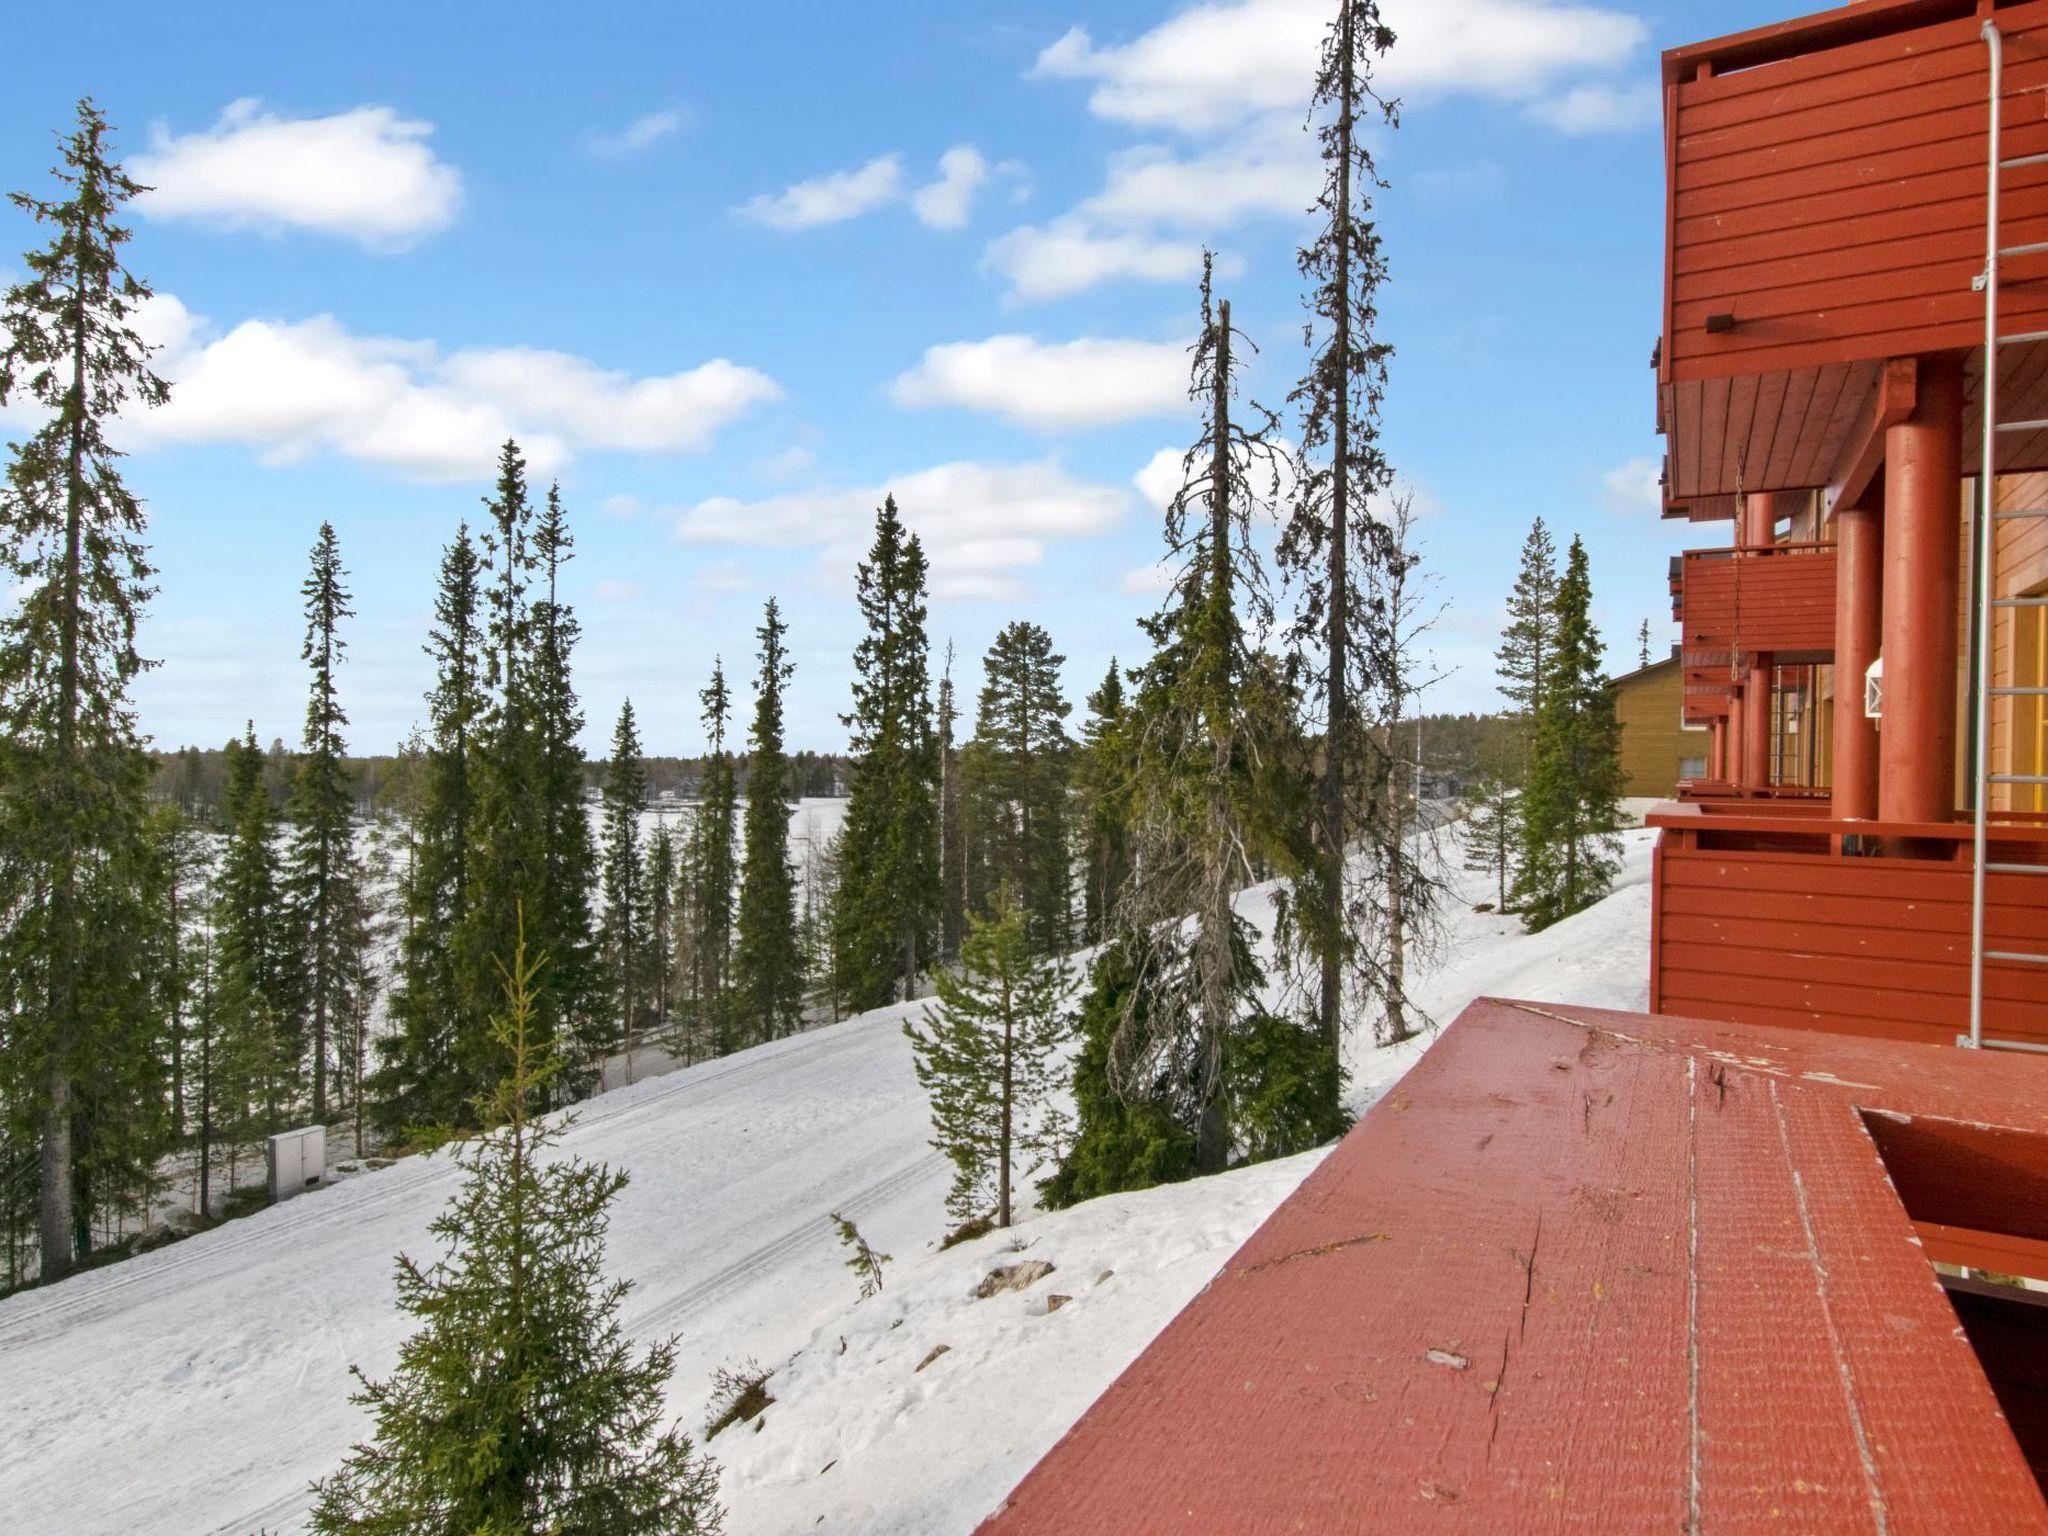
1330, 543
625, 879
714, 837
768, 963
72, 770
952, 838
561, 923
1409, 889
1215, 796
885, 917
1570, 807
520, 1405
511, 813
1101, 769
1019, 769
986, 1058
257, 979
1529, 642
417, 1083
663, 868
323, 876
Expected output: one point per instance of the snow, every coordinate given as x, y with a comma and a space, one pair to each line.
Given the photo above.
200, 1387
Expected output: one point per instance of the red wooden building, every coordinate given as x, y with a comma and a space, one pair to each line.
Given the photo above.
1850, 232
1774, 1258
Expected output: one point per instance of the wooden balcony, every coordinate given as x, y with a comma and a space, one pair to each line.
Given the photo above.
1777, 598
1826, 212
1759, 917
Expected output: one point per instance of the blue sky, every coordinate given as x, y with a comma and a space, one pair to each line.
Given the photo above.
730, 272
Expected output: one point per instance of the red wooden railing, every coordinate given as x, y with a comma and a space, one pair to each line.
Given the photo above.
1758, 916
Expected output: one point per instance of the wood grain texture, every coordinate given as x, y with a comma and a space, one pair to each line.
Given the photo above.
1580, 1271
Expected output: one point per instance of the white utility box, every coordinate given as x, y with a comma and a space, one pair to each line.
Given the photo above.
297, 1161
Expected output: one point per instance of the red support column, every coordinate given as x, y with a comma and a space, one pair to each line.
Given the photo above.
1859, 617
1922, 559
1717, 751
1757, 526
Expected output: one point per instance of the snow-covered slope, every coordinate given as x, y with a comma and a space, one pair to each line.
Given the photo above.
199, 1388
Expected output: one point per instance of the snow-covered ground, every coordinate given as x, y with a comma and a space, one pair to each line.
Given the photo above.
199, 1388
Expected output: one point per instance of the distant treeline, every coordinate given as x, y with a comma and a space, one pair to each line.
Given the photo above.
195, 778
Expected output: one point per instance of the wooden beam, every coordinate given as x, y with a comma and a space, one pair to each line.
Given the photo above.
1897, 393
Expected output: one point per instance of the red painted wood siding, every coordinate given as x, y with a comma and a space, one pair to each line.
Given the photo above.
1861, 946
1779, 600
1833, 201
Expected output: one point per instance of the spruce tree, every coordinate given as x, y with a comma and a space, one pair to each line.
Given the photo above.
561, 922
72, 771
767, 967
1216, 796
1571, 843
1330, 542
625, 878
885, 918
1019, 767
257, 979
713, 838
663, 869
1529, 642
1408, 890
323, 878
512, 814
1643, 645
952, 838
985, 1057
417, 1084
1492, 827
1100, 771
520, 1405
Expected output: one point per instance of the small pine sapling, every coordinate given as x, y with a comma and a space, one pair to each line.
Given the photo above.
519, 1405
865, 1263
985, 1057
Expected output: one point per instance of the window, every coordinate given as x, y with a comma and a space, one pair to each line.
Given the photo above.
2030, 715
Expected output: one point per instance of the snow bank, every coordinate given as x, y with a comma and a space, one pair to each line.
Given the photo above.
861, 1439
199, 1388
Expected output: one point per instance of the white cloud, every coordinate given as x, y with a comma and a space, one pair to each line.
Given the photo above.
981, 523
642, 133
1219, 63
602, 408
617, 593
367, 175
293, 390
1149, 580
946, 202
1600, 109
1152, 184
724, 576
1635, 487
1050, 386
1069, 255
1162, 477
830, 199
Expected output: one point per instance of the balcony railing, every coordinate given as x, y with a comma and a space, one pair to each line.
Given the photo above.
1759, 597
1759, 916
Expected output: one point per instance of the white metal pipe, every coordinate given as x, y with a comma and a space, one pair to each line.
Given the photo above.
1987, 484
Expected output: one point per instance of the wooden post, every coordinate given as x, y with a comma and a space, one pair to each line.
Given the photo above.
1859, 631
1922, 568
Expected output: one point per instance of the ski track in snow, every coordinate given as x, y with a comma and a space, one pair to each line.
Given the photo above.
201, 1387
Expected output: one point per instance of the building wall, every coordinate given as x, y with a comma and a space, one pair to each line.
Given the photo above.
2019, 645
1654, 741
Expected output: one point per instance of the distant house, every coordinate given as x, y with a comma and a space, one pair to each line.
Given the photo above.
1657, 747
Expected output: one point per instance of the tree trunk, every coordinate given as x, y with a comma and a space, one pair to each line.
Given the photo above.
1337, 734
